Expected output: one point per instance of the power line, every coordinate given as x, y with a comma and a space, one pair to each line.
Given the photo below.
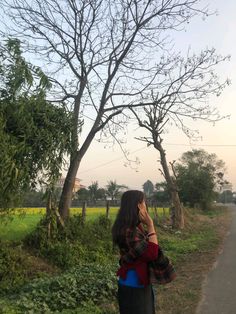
205, 145
109, 162
168, 144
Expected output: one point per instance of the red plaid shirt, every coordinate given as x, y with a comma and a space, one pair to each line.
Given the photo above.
136, 255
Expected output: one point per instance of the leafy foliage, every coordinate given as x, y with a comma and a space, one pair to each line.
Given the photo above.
17, 267
11, 272
95, 193
114, 189
33, 198
82, 194
90, 270
198, 175
161, 193
91, 283
34, 134
68, 290
72, 245
226, 197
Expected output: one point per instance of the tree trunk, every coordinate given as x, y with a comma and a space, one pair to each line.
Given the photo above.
178, 214
49, 204
67, 191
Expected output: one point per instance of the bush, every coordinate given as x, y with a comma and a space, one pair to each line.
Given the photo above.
63, 254
12, 268
77, 243
86, 308
85, 283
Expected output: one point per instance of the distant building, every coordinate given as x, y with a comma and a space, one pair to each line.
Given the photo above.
77, 184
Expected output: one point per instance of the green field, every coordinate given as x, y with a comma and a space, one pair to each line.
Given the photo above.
24, 220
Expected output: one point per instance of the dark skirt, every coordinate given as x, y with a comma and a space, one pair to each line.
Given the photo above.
136, 300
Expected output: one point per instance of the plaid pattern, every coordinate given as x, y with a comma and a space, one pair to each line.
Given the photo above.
161, 271
137, 242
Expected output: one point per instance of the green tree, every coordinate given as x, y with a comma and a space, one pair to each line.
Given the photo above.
82, 194
234, 197
101, 194
148, 188
34, 134
33, 198
93, 191
114, 190
226, 197
198, 176
161, 194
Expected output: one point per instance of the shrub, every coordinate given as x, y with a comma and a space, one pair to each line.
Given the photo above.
63, 254
69, 290
77, 243
12, 268
86, 308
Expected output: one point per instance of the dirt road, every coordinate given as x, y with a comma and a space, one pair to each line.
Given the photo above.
219, 289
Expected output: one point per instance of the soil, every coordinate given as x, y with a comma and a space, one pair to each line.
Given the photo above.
37, 265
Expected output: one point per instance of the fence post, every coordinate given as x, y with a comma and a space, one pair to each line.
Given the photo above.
84, 206
164, 212
155, 213
107, 208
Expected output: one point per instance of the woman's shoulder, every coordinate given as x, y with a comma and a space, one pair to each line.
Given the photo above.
135, 233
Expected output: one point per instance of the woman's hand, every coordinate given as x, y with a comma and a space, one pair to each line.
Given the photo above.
144, 215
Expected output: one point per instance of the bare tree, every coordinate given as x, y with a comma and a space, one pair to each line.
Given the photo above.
182, 97
102, 57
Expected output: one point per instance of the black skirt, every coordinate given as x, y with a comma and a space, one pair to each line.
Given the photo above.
136, 300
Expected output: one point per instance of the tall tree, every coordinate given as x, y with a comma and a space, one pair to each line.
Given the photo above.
34, 134
104, 57
199, 176
148, 188
182, 97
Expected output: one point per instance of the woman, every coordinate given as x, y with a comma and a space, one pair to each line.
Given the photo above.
137, 247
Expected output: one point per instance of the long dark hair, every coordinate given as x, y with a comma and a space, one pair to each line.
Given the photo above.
127, 216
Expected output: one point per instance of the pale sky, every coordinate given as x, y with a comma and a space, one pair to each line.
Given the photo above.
102, 164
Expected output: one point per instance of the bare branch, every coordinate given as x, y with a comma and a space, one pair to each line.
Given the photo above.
108, 58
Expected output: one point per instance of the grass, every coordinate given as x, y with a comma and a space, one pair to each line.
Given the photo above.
178, 246
19, 226
192, 252
24, 220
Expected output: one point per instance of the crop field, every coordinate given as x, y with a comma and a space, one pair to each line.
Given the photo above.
24, 220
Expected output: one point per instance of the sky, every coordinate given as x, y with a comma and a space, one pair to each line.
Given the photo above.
103, 163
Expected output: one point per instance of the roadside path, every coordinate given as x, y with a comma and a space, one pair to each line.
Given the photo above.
219, 289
